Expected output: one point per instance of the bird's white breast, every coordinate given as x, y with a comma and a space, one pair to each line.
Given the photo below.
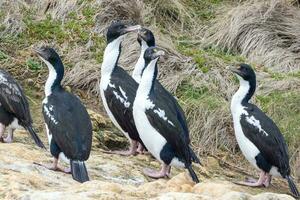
152, 139
249, 150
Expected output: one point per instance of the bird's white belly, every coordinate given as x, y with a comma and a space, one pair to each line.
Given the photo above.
153, 141
249, 150
274, 172
15, 124
109, 113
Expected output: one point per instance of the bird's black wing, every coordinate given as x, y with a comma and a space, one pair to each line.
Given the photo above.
120, 95
266, 136
13, 99
70, 124
162, 116
159, 90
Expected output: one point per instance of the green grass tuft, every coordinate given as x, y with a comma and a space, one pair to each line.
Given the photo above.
194, 95
3, 56
203, 57
47, 29
33, 64
205, 10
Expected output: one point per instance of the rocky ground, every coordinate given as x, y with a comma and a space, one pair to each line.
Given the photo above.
117, 177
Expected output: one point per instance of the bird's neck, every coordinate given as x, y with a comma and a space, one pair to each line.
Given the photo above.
111, 56
56, 74
140, 64
244, 93
148, 78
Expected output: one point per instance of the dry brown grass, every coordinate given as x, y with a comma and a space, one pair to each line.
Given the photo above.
266, 32
210, 129
175, 67
14, 12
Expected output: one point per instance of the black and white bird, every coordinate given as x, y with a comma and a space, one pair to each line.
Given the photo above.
14, 109
117, 87
258, 137
68, 124
146, 39
160, 124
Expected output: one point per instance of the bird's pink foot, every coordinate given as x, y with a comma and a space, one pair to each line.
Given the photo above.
250, 180
254, 183
164, 172
267, 181
155, 174
54, 166
8, 139
245, 183
66, 170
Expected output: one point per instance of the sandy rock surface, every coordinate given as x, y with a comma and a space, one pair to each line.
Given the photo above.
112, 177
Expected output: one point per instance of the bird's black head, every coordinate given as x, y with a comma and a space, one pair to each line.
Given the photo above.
245, 72
119, 28
147, 36
48, 54
152, 53
55, 67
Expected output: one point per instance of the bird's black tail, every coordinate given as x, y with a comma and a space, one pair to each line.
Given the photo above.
193, 174
293, 187
35, 137
79, 171
195, 159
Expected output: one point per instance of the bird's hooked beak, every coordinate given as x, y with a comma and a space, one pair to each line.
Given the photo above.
236, 70
39, 52
141, 34
131, 29
159, 53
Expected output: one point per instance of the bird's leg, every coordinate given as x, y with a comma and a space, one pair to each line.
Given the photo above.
10, 136
54, 166
259, 182
66, 170
140, 148
131, 151
2, 130
268, 180
165, 171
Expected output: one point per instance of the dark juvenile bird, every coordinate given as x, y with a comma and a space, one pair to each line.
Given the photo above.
259, 139
68, 124
117, 87
160, 124
146, 39
14, 109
